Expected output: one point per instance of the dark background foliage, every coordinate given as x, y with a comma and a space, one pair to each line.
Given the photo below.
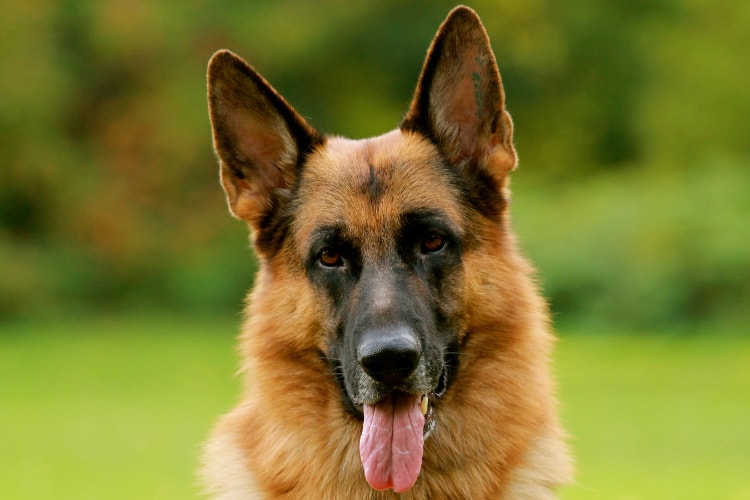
632, 196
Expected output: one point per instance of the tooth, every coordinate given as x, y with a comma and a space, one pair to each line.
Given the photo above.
425, 403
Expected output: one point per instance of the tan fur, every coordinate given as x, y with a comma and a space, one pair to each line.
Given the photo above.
290, 437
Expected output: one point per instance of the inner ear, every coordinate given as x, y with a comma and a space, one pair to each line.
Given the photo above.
459, 101
259, 138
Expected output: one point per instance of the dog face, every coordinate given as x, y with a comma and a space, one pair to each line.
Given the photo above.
381, 228
384, 253
384, 250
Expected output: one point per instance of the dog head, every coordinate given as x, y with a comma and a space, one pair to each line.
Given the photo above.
380, 228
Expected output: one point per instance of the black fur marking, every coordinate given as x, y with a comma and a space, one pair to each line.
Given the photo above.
425, 220
451, 367
276, 220
336, 281
477, 188
374, 185
483, 193
436, 271
275, 224
338, 374
420, 224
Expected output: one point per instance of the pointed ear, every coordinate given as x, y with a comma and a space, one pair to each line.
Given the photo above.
259, 138
459, 102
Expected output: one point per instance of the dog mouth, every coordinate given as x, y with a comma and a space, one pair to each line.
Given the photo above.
393, 433
395, 426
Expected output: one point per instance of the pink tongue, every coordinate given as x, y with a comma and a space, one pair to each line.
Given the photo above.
391, 442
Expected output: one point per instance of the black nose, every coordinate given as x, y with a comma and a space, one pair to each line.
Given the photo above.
389, 355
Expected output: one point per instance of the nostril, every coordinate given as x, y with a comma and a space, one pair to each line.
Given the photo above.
389, 355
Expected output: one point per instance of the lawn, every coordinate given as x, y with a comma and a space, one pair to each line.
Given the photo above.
657, 416
110, 409
116, 409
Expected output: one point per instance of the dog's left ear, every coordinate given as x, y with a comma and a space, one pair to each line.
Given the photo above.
459, 102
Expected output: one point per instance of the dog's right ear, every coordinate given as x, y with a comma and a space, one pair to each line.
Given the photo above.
259, 138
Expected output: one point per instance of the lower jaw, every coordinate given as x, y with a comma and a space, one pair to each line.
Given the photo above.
427, 403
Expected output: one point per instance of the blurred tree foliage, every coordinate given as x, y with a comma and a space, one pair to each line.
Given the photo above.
633, 194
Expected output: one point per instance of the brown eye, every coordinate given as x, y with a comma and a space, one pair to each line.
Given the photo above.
330, 258
433, 243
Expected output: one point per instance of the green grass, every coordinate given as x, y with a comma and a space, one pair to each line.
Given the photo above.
118, 408
657, 417
110, 409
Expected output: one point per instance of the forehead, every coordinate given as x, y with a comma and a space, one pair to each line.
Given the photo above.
367, 186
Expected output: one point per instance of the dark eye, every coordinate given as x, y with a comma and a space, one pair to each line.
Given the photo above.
330, 258
433, 243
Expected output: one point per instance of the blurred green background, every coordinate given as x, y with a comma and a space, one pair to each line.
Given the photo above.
122, 274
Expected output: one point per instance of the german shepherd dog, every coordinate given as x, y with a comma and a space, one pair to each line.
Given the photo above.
395, 344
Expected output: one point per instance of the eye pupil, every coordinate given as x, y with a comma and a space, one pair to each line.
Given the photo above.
433, 243
330, 258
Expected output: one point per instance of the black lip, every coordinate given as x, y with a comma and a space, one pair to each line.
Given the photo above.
433, 396
444, 382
